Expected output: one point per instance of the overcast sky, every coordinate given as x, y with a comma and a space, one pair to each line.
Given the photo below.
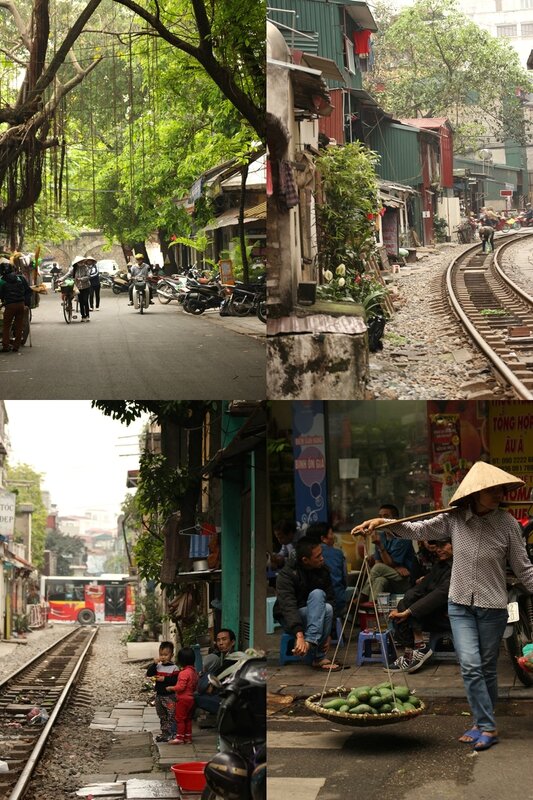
77, 448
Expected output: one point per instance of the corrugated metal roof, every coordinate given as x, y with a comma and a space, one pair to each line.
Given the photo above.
433, 123
316, 324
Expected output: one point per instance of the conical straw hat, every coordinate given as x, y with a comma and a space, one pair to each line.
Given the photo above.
484, 476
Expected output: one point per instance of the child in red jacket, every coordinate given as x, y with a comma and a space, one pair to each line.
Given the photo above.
185, 689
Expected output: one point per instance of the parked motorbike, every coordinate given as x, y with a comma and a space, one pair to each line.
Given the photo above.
520, 631
202, 296
141, 293
244, 299
172, 289
524, 221
106, 280
238, 771
121, 283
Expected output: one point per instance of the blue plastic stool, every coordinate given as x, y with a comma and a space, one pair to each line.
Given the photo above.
337, 638
270, 621
286, 655
197, 658
367, 654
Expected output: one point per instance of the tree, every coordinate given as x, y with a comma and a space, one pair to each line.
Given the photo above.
26, 483
68, 550
227, 37
37, 83
432, 61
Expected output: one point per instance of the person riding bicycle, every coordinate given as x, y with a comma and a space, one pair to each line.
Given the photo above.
15, 294
139, 270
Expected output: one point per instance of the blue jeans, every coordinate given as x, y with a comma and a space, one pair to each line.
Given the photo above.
477, 634
317, 617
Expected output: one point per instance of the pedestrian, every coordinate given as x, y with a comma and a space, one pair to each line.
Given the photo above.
165, 673
207, 697
305, 603
94, 291
485, 539
184, 691
79, 270
16, 296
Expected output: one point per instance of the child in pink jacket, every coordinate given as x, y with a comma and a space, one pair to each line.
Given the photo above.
185, 689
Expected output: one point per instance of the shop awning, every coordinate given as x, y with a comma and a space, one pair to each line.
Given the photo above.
230, 217
248, 438
310, 90
326, 66
18, 561
256, 212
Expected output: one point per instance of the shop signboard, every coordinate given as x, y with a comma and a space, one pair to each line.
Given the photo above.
511, 447
309, 447
7, 513
457, 439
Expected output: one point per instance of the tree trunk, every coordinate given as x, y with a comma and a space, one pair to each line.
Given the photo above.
242, 233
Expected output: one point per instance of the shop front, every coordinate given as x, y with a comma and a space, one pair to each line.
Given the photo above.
348, 458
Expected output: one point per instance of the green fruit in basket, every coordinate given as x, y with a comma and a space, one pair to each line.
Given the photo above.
362, 708
409, 707
415, 701
344, 708
397, 707
363, 696
376, 701
335, 704
353, 701
402, 692
384, 685
386, 708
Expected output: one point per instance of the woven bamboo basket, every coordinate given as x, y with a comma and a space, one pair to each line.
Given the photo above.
357, 720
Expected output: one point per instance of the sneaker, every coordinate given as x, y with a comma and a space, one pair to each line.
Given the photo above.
402, 664
161, 738
130, 304
420, 657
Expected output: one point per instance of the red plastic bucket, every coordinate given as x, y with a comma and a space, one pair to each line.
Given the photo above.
190, 776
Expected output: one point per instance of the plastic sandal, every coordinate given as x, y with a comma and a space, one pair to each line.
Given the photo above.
485, 741
474, 734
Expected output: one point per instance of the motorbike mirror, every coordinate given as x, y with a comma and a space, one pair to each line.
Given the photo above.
214, 681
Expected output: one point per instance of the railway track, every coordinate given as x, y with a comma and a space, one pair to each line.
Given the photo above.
44, 683
496, 313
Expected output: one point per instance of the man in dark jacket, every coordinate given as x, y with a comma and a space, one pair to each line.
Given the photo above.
423, 608
15, 294
305, 603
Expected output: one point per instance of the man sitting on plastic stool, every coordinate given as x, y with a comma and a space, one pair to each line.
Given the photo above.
423, 608
305, 603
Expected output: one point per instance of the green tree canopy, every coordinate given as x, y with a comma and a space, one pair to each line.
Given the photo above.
432, 61
26, 483
68, 550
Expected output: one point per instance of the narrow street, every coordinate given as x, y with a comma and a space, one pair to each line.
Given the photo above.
313, 759
121, 353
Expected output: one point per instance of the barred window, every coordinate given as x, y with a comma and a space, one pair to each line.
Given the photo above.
506, 31
526, 29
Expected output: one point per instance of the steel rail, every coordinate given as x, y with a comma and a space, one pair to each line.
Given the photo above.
36, 658
21, 785
501, 367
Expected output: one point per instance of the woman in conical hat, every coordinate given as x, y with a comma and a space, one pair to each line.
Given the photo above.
485, 538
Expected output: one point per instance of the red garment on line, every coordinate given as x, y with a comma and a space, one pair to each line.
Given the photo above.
361, 40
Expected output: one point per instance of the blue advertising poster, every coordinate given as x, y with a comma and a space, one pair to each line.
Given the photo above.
309, 447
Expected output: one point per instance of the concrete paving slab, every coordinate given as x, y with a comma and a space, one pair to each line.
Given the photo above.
144, 789
295, 788
128, 766
315, 741
125, 711
102, 726
133, 719
98, 777
131, 704
126, 728
102, 790
160, 775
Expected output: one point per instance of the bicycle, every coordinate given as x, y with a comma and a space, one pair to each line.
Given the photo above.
67, 295
26, 330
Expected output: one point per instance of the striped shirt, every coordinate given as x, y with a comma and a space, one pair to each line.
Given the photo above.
482, 546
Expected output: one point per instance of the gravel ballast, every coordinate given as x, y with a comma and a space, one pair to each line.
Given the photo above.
425, 354
74, 750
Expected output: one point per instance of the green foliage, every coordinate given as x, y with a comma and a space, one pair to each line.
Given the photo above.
69, 550
147, 618
440, 226
189, 634
346, 229
26, 483
433, 61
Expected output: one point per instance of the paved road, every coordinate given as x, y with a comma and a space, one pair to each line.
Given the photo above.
163, 354
312, 759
